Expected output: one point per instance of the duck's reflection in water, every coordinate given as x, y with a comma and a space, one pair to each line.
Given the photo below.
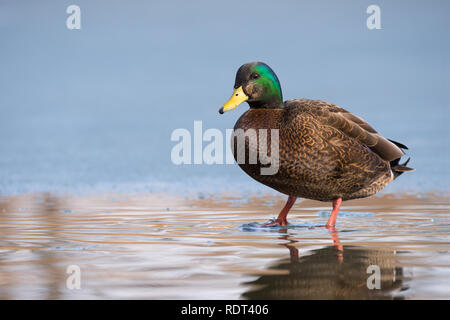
334, 272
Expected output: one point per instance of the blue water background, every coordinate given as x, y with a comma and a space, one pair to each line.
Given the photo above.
93, 109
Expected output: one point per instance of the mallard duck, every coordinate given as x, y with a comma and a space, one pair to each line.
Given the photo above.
325, 153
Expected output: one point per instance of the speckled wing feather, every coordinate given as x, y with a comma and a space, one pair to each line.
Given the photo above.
351, 125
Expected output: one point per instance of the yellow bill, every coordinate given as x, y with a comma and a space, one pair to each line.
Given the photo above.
236, 99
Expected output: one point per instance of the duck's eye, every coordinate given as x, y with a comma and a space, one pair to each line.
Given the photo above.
255, 75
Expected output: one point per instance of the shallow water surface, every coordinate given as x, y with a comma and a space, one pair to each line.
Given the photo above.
159, 247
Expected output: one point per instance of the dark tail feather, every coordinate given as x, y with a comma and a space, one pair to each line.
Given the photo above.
398, 144
398, 168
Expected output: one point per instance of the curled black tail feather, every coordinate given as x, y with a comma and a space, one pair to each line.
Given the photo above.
398, 168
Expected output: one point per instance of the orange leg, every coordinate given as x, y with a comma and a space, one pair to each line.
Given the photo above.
282, 220
337, 244
332, 220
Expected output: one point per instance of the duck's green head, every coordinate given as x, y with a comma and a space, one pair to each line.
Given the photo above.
257, 84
